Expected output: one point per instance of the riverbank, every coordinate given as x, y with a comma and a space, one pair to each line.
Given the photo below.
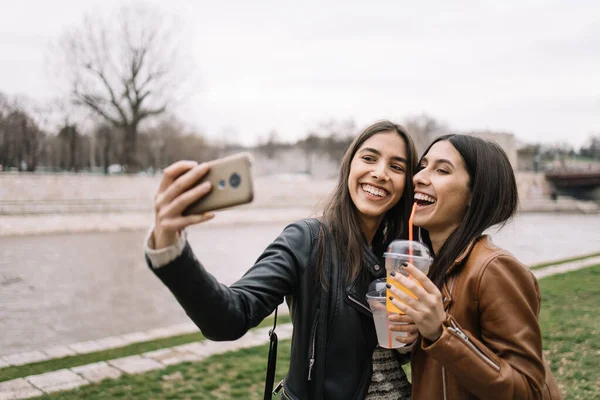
88, 286
182, 351
40, 224
24, 225
35, 204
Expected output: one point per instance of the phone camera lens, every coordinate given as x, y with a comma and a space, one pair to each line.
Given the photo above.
235, 180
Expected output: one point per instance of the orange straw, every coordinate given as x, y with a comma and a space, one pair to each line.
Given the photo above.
410, 225
410, 253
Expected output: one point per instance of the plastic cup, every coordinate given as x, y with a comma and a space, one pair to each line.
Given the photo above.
401, 251
376, 297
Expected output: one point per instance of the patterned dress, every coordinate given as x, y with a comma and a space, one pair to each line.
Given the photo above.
389, 382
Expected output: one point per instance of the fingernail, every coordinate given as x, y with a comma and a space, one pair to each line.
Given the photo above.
387, 285
404, 264
391, 298
392, 273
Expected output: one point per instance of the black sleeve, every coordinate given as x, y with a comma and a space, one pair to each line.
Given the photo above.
226, 313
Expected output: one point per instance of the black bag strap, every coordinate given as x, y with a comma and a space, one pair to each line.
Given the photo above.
271, 359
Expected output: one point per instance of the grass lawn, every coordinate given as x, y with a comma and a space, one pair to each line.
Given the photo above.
569, 321
9, 373
235, 375
571, 331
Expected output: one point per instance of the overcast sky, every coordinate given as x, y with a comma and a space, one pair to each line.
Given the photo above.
526, 67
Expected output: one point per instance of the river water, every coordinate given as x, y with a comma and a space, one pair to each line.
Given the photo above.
61, 289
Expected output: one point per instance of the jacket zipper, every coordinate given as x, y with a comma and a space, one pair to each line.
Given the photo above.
278, 388
444, 381
313, 346
352, 299
454, 328
444, 368
285, 396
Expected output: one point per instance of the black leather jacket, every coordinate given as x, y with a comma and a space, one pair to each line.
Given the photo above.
336, 363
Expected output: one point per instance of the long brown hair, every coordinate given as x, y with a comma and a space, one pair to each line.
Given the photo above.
341, 216
494, 198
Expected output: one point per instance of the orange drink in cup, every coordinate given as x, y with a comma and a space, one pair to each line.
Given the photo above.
401, 251
409, 251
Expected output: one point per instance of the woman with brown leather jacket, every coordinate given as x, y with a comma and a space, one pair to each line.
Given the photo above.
477, 310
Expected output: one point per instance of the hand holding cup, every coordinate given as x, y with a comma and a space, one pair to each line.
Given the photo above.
427, 309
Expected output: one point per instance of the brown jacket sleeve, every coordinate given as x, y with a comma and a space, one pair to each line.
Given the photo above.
506, 362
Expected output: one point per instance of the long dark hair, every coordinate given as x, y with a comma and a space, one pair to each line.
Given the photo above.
494, 198
341, 216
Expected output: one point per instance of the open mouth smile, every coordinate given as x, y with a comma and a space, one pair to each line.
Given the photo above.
424, 200
374, 192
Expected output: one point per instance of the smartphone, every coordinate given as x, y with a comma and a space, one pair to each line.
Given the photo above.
231, 179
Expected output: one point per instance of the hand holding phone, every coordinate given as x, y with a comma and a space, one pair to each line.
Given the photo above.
231, 182
189, 191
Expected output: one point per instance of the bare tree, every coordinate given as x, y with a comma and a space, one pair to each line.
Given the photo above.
21, 137
423, 129
70, 140
171, 140
331, 137
124, 69
105, 136
4, 131
591, 147
271, 145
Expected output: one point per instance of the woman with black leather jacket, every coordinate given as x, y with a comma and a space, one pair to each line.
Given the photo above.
321, 267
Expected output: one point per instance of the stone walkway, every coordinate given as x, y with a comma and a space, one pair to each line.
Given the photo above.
70, 378
567, 267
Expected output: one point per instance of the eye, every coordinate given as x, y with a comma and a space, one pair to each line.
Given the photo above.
421, 167
442, 171
398, 168
368, 158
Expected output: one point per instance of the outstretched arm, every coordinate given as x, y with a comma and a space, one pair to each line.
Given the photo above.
226, 313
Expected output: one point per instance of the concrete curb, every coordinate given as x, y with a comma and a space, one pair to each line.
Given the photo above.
92, 346
566, 267
70, 378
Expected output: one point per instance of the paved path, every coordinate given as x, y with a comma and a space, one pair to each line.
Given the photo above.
70, 378
567, 267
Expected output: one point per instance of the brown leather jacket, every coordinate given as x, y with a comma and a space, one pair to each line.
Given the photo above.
491, 345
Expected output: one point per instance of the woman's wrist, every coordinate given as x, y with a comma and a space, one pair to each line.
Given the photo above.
164, 239
436, 335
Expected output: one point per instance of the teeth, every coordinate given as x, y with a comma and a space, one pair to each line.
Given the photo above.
374, 191
424, 197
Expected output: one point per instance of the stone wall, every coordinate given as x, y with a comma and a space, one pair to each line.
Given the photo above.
270, 190
137, 192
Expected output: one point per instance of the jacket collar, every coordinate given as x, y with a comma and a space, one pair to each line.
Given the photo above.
375, 265
459, 260
447, 295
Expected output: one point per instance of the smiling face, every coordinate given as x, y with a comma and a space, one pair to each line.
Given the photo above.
377, 177
442, 190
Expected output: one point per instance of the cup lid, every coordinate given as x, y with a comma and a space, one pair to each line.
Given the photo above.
407, 247
377, 288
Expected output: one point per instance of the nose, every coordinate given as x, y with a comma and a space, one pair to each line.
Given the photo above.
421, 178
379, 172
